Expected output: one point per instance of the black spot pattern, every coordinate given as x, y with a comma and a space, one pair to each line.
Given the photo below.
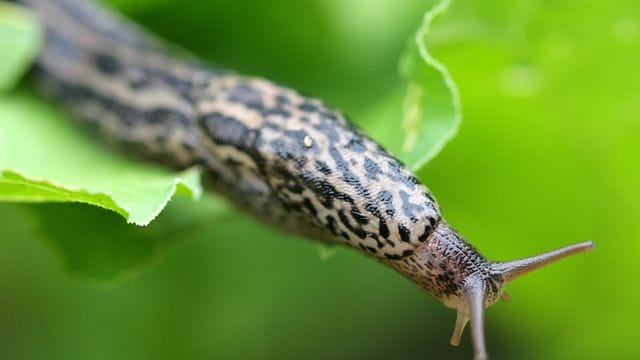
251, 136
107, 64
225, 130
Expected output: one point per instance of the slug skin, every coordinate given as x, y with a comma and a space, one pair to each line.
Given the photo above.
287, 159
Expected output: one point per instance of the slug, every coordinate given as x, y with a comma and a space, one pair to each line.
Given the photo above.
287, 159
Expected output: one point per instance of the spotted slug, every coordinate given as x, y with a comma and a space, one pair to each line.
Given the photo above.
287, 159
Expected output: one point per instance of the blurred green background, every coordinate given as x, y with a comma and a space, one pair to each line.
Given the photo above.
548, 154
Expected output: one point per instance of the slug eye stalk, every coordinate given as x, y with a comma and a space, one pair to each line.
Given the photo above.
477, 288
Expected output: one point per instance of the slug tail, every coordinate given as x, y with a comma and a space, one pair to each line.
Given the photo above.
513, 269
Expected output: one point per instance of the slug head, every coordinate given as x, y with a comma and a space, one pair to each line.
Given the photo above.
454, 272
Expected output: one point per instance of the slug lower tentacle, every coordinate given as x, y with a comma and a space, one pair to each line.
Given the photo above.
287, 159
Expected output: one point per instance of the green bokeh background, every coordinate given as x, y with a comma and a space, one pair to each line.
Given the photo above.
548, 154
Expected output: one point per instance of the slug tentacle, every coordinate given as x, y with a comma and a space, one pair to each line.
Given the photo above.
510, 270
453, 271
475, 293
462, 318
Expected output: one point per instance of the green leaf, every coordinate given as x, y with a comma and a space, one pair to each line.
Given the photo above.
430, 100
20, 38
43, 157
99, 246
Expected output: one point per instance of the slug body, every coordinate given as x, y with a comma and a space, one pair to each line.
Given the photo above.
287, 159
